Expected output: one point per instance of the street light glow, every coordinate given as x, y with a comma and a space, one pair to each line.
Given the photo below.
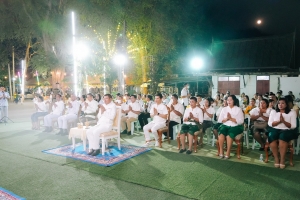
120, 59
81, 50
259, 21
74, 54
197, 63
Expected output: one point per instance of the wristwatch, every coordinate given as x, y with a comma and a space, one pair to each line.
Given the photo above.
157, 113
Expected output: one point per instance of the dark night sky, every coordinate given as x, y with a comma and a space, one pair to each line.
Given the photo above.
228, 17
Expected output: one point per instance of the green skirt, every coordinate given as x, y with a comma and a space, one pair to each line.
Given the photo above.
187, 128
232, 131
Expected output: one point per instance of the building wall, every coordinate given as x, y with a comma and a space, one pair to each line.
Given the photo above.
248, 83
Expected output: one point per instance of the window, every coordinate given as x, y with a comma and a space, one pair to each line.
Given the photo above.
223, 78
263, 78
262, 84
234, 78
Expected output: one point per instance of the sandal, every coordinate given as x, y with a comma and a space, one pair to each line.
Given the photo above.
276, 165
221, 156
226, 157
282, 166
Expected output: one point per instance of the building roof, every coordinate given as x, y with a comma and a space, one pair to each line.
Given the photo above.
257, 54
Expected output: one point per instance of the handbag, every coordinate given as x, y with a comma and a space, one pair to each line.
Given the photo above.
260, 124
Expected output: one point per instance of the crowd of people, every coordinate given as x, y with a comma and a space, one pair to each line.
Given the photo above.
269, 117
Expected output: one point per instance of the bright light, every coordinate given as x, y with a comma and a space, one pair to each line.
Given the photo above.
81, 50
23, 76
120, 59
258, 21
74, 54
197, 63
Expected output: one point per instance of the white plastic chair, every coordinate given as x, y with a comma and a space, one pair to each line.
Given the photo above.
134, 124
114, 133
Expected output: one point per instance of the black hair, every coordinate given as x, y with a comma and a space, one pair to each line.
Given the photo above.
185, 84
209, 102
266, 101
108, 95
90, 94
247, 99
149, 97
41, 97
83, 96
133, 96
289, 98
287, 109
193, 98
235, 100
159, 95
175, 96
99, 97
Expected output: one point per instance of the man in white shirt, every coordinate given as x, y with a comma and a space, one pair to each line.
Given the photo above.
176, 113
57, 110
185, 94
140, 101
90, 108
159, 113
143, 117
134, 109
73, 109
200, 101
192, 120
107, 113
4, 104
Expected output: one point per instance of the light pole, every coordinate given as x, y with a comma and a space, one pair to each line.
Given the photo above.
74, 55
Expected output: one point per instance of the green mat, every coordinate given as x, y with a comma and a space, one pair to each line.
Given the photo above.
202, 177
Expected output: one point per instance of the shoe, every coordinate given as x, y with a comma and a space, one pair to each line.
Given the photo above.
46, 130
282, 166
60, 132
182, 150
221, 156
124, 132
129, 133
156, 144
96, 152
226, 157
91, 152
147, 144
188, 152
276, 165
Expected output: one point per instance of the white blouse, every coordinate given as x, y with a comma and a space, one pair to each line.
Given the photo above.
210, 110
255, 112
235, 112
42, 107
290, 118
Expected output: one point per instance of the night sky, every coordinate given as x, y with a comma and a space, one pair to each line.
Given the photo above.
237, 18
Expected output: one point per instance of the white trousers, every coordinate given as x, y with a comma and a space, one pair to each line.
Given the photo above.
153, 127
64, 119
93, 135
4, 111
48, 119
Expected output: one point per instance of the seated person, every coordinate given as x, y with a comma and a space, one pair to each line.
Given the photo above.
106, 115
41, 110
260, 116
232, 118
57, 110
192, 122
133, 112
159, 113
143, 117
208, 111
282, 121
217, 125
176, 113
90, 108
73, 107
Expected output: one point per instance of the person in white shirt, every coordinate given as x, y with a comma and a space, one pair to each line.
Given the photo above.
57, 110
90, 108
159, 113
82, 103
106, 115
176, 113
258, 100
140, 101
4, 104
192, 122
185, 95
41, 110
200, 101
143, 117
282, 122
260, 116
134, 109
232, 118
217, 125
208, 112
73, 109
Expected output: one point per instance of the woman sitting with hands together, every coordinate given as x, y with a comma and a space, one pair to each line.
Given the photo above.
282, 121
232, 118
